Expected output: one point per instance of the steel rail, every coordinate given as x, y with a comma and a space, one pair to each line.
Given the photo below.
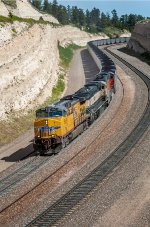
26, 163
59, 209
57, 170
10, 181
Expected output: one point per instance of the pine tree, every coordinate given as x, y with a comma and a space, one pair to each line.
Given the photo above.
62, 15
45, 5
114, 19
87, 20
75, 16
81, 18
69, 12
37, 4
55, 8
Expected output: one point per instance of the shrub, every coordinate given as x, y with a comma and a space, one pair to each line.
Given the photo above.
2, 25
10, 3
10, 14
14, 30
41, 18
66, 54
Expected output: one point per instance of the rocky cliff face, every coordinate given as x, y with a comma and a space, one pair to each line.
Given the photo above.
22, 8
29, 58
140, 38
29, 62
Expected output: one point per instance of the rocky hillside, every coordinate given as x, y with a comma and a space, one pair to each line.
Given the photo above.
29, 62
140, 38
22, 8
29, 57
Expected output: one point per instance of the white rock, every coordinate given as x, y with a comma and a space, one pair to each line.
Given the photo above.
140, 38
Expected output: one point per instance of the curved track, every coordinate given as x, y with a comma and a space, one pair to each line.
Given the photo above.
68, 201
8, 183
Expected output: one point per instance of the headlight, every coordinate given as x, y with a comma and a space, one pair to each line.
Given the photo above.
46, 122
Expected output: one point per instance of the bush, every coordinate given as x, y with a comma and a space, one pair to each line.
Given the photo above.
41, 18
11, 3
112, 32
14, 30
2, 25
66, 54
10, 14
5, 19
30, 21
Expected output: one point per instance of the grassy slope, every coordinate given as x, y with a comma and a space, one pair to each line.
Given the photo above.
17, 124
66, 54
112, 32
11, 3
31, 21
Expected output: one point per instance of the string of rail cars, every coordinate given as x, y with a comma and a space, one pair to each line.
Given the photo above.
57, 124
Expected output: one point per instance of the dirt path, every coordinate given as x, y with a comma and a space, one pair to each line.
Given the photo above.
76, 78
22, 146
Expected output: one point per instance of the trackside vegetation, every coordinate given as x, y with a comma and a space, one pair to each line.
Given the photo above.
18, 123
12, 18
11, 3
66, 54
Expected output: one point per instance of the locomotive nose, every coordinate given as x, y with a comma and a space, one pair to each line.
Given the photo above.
46, 127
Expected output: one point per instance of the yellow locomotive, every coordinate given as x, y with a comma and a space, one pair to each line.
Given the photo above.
59, 123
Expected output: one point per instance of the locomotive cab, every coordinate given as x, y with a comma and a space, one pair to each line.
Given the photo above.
54, 123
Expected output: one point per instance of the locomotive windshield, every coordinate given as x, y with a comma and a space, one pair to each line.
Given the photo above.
42, 113
55, 114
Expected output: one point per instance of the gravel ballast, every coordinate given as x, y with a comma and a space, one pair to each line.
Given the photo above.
116, 123
98, 157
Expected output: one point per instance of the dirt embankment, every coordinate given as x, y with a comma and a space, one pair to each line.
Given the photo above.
28, 63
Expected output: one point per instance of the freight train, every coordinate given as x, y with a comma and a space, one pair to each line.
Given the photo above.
57, 124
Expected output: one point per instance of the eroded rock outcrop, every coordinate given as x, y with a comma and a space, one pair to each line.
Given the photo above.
29, 62
29, 58
24, 9
140, 38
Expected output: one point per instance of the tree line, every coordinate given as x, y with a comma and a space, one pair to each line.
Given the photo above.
93, 21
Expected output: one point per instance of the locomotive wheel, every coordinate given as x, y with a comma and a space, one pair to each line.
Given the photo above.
107, 104
98, 113
86, 125
57, 150
42, 153
63, 145
65, 142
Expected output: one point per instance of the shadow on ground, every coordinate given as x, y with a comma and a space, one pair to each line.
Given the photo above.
90, 70
143, 57
19, 155
89, 66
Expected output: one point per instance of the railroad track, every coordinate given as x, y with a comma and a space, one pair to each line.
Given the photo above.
9, 182
59, 209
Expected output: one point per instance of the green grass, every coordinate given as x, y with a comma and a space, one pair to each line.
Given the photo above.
2, 25
56, 91
30, 21
18, 123
66, 54
14, 30
112, 32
